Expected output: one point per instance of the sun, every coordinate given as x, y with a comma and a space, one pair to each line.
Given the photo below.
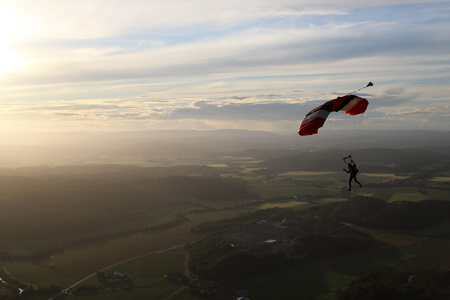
9, 60
9, 57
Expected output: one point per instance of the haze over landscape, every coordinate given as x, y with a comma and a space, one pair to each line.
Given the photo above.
149, 150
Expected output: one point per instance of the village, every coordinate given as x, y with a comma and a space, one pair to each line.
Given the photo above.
268, 235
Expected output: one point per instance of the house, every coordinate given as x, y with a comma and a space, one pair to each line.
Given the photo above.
174, 276
270, 241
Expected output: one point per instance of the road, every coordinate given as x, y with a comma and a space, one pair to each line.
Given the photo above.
176, 292
66, 290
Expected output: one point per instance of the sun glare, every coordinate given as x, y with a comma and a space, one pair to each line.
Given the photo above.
9, 58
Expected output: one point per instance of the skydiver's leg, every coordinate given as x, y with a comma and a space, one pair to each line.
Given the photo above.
357, 181
350, 183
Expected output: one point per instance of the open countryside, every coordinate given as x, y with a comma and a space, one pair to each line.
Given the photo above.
145, 224
224, 150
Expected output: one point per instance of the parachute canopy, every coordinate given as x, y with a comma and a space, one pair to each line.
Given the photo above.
349, 104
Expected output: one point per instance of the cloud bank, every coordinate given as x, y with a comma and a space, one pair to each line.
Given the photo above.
108, 65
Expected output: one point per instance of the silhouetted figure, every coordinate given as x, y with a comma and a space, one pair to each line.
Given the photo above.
352, 170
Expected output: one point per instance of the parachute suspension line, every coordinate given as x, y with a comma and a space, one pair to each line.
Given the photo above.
330, 138
351, 125
347, 124
369, 84
360, 118
341, 132
337, 133
351, 130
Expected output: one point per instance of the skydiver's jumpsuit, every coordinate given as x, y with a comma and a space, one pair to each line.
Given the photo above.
352, 170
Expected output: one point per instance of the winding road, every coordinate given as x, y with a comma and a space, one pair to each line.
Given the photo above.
66, 290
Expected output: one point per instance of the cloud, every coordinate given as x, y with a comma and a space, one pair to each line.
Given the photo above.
77, 107
67, 114
102, 18
248, 51
432, 111
387, 101
236, 98
208, 110
263, 45
147, 63
395, 91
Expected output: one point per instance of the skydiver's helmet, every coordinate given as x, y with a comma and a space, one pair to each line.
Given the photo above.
349, 165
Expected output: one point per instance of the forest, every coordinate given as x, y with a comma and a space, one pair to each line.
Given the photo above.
396, 284
62, 204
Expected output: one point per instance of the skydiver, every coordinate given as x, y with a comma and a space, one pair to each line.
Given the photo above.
352, 170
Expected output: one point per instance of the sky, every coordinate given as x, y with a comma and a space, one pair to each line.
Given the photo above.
110, 65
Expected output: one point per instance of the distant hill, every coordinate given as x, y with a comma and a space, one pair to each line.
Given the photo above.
406, 159
35, 148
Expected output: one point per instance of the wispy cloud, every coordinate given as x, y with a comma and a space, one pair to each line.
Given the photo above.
267, 61
77, 107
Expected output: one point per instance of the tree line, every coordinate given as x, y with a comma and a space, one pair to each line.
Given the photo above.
399, 285
373, 212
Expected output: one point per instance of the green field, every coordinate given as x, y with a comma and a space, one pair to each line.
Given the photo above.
287, 204
441, 179
415, 196
148, 277
305, 173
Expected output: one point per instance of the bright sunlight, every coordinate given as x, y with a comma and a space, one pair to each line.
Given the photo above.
9, 58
